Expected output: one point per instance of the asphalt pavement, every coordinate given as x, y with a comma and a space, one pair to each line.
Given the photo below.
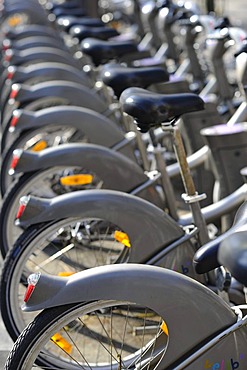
237, 14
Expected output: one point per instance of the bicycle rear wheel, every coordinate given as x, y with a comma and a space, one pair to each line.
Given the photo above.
97, 335
59, 248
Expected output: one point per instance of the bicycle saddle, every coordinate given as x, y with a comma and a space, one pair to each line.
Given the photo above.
102, 33
206, 258
76, 12
102, 51
120, 78
149, 108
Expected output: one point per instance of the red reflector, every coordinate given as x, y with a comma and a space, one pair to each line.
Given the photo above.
20, 210
14, 91
15, 158
6, 44
8, 55
23, 203
28, 292
32, 282
14, 121
11, 71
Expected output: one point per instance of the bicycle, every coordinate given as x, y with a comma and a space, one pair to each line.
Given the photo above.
86, 238
83, 307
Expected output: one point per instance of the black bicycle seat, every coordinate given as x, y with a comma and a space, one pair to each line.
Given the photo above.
150, 109
103, 33
103, 51
76, 12
120, 78
206, 258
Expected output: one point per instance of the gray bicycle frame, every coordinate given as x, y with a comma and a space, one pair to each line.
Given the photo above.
202, 327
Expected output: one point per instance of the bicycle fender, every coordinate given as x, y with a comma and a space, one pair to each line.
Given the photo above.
34, 41
116, 170
148, 227
27, 30
99, 129
72, 92
53, 54
53, 69
175, 298
35, 13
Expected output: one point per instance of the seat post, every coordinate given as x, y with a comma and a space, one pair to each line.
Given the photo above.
191, 196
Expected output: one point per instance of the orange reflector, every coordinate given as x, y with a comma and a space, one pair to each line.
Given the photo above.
61, 342
73, 180
164, 328
40, 145
65, 273
122, 238
14, 21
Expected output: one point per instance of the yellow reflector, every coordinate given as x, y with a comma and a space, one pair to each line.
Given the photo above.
73, 180
164, 327
15, 20
62, 343
122, 238
40, 145
65, 273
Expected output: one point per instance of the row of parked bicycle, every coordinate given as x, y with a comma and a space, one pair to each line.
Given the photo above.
123, 183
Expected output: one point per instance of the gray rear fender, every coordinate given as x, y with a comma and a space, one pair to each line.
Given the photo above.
148, 227
53, 69
72, 92
52, 54
114, 169
95, 126
177, 299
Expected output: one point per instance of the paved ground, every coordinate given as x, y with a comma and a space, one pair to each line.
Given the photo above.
236, 11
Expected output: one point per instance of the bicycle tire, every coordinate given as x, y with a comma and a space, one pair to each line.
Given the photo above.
35, 249
47, 326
